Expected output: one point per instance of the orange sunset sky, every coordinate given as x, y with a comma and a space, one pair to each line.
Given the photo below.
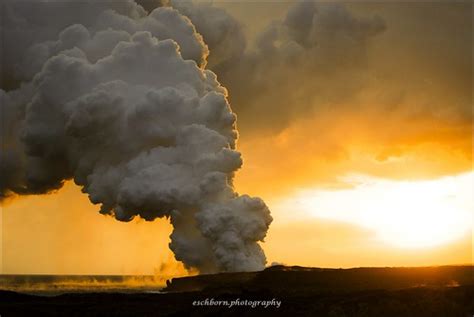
364, 156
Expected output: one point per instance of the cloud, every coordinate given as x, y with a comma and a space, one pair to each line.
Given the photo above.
222, 32
346, 85
30, 32
313, 57
123, 105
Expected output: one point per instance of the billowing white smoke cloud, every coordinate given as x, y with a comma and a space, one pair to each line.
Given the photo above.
35, 30
222, 33
315, 56
120, 101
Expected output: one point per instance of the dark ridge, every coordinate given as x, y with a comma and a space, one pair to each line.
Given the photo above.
296, 277
446, 291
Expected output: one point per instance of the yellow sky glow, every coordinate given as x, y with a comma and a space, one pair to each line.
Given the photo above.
411, 214
380, 176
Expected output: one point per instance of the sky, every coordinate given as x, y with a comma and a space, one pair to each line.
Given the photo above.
355, 128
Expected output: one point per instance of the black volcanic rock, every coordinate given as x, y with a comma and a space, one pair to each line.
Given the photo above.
365, 292
320, 279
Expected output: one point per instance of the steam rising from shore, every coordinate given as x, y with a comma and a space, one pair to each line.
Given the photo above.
121, 102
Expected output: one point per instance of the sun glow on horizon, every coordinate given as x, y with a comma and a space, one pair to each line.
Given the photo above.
405, 214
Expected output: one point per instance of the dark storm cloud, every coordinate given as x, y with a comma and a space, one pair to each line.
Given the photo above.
314, 56
399, 60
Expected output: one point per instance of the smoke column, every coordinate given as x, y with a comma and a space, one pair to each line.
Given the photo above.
120, 101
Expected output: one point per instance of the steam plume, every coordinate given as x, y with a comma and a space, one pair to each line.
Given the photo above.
120, 101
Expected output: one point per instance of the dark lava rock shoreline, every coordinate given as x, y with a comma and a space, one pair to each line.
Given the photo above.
394, 292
